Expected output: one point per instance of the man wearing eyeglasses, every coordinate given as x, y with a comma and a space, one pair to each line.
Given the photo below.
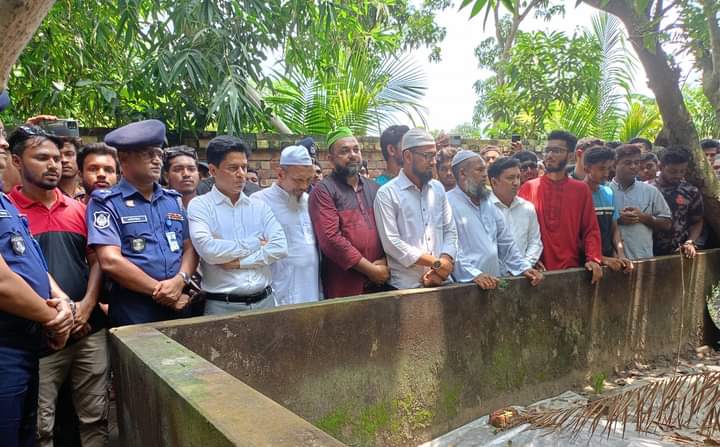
181, 168
414, 218
341, 212
564, 207
140, 232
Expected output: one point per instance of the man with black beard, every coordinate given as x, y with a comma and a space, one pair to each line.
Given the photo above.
58, 223
341, 212
414, 218
485, 242
565, 211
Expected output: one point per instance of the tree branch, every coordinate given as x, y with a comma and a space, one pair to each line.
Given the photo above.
19, 20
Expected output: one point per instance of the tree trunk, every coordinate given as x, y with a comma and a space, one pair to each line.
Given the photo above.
663, 80
19, 19
711, 61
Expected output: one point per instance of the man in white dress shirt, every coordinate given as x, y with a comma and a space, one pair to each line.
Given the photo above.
414, 219
520, 215
238, 240
485, 243
296, 279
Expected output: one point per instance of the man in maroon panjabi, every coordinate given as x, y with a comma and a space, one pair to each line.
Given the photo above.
565, 210
341, 210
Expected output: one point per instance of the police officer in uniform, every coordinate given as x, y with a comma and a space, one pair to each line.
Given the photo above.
140, 233
26, 308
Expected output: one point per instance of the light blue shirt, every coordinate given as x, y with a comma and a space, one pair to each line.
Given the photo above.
485, 242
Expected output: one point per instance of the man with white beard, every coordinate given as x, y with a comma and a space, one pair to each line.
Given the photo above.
295, 279
484, 239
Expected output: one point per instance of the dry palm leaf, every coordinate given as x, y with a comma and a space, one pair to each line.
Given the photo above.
684, 402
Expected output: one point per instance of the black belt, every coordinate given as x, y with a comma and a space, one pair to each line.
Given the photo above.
247, 299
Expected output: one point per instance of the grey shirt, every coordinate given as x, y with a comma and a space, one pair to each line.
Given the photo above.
638, 238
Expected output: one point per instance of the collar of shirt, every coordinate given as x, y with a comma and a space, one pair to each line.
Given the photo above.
404, 182
497, 202
460, 194
219, 198
289, 201
343, 182
620, 187
23, 201
126, 190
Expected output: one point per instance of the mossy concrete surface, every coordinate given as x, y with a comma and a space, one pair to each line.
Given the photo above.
401, 368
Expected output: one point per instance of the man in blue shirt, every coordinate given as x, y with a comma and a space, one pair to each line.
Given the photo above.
140, 232
597, 161
26, 308
485, 242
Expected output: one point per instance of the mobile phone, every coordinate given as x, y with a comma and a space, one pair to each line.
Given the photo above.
62, 127
515, 138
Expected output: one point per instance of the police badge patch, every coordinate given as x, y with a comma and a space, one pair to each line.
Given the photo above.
101, 219
18, 244
138, 245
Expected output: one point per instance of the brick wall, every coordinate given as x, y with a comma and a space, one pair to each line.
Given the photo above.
266, 149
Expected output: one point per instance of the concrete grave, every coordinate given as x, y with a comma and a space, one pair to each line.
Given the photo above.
397, 368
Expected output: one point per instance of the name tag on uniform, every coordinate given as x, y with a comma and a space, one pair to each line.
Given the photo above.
175, 216
172, 241
133, 219
4, 214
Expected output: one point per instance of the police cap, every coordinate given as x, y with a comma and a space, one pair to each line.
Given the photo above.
137, 136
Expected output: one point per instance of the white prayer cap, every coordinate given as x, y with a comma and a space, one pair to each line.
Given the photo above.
463, 155
417, 137
295, 156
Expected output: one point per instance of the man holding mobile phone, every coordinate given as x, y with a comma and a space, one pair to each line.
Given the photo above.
643, 209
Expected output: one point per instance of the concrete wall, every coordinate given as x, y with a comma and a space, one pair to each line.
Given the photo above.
401, 368
266, 149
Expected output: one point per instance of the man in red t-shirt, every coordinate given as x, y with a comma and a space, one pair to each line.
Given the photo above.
568, 226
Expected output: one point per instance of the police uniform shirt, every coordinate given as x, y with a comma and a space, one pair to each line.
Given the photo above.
150, 234
22, 254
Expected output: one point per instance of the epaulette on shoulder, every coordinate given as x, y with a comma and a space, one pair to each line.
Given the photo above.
172, 192
101, 195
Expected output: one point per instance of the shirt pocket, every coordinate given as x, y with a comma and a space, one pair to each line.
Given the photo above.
136, 227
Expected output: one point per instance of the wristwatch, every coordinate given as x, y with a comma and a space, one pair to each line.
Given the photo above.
691, 242
185, 277
436, 265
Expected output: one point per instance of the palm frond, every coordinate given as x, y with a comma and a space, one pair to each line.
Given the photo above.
680, 402
362, 94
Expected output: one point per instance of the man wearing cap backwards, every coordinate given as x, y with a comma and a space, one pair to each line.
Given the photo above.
237, 239
341, 208
414, 218
485, 242
31, 304
139, 231
296, 279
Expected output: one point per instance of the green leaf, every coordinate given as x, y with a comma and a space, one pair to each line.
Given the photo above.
479, 5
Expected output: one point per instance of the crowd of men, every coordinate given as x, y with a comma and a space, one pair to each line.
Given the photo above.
127, 231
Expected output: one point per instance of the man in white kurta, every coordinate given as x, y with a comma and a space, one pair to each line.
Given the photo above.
296, 279
485, 243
